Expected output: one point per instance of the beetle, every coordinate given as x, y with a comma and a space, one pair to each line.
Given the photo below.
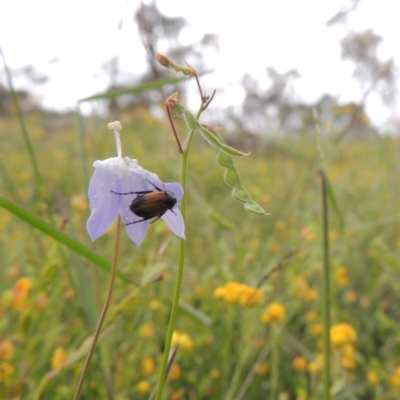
150, 203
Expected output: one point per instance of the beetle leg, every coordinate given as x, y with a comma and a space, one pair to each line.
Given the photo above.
154, 185
135, 222
143, 192
145, 219
158, 217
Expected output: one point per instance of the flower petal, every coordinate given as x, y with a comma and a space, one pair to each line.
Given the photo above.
175, 222
137, 232
103, 206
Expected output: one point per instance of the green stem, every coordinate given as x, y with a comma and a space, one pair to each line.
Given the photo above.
325, 291
178, 285
181, 261
103, 312
274, 361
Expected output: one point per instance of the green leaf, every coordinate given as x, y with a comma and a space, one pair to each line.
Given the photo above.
139, 88
133, 90
152, 273
194, 313
223, 223
61, 237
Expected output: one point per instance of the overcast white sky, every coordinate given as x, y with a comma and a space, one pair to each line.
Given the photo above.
253, 34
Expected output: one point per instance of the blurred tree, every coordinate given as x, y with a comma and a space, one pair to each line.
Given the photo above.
266, 108
153, 28
342, 16
159, 34
373, 74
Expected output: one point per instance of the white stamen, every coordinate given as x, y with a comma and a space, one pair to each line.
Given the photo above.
116, 127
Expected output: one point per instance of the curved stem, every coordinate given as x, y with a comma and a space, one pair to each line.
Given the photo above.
103, 312
181, 261
178, 284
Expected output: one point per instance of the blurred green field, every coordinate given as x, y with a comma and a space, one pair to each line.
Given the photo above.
236, 342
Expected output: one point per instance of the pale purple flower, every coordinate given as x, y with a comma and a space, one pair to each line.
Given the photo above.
124, 175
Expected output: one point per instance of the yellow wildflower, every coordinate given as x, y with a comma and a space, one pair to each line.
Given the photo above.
176, 394
303, 291
342, 334
317, 329
315, 366
261, 368
300, 364
143, 387
148, 366
234, 292
219, 293
372, 378
20, 292
341, 276
250, 296
59, 358
155, 304
174, 372
215, 373
79, 202
310, 294
275, 312
6, 349
394, 379
348, 360
146, 330
183, 339
6, 370
308, 234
